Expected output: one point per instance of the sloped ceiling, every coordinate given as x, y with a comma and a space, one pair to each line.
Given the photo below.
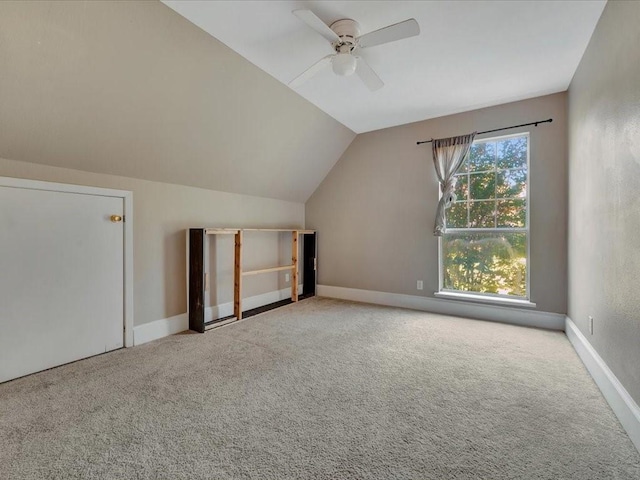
469, 54
134, 89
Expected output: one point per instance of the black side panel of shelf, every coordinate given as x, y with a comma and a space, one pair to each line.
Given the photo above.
196, 279
309, 265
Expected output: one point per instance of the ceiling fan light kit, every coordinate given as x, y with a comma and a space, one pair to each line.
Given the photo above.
343, 64
346, 41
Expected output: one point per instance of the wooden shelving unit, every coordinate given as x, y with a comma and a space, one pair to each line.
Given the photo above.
197, 276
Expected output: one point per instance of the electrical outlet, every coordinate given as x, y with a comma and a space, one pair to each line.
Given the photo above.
590, 324
286, 277
419, 285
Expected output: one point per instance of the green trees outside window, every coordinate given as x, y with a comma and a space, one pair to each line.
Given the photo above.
485, 247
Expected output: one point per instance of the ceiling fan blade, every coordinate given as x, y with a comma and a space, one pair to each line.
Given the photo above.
310, 18
368, 76
397, 31
311, 71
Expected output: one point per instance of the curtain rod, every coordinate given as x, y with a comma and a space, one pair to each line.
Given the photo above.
503, 128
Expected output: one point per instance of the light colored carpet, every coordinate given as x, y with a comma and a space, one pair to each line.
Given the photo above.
323, 389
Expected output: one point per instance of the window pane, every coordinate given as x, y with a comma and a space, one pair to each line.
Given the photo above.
512, 153
512, 183
483, 185
464, 167
462, 185
485, 262
482, 156
511, 213
482, 214
456, 215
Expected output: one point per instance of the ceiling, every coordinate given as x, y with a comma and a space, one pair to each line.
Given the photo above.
468, 55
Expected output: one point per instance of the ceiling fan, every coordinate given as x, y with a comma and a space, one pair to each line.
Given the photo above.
346, 40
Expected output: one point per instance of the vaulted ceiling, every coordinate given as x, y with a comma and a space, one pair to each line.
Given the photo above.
134, 89
468, 55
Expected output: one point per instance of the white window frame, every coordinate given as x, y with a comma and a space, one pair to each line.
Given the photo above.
497, 298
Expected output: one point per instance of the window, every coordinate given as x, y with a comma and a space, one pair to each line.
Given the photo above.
486, 245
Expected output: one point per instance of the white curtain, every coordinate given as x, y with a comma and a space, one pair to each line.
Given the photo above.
448, 155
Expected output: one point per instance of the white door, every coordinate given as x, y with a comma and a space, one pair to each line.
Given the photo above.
61, 278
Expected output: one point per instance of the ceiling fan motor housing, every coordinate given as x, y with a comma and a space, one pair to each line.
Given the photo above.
348, 30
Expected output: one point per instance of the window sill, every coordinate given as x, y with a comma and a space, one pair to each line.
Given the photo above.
470, 297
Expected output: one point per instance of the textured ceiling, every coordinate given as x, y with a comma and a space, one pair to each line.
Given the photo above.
470, 54
134, 89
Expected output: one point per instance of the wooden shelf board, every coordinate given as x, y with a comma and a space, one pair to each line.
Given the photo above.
221, 231
219, 322
267, 270
269, 229
248, 313
266, 308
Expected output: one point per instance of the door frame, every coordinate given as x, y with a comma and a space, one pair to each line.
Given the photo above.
127, 197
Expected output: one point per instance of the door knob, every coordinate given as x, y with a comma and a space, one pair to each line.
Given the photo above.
116, 218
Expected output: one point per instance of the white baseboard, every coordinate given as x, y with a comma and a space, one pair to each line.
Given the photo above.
169, 326
148, 332
625, 408
496, 313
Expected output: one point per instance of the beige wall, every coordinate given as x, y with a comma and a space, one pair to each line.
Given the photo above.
374, 212
132, 88
162, 212
604, 204
135, 90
